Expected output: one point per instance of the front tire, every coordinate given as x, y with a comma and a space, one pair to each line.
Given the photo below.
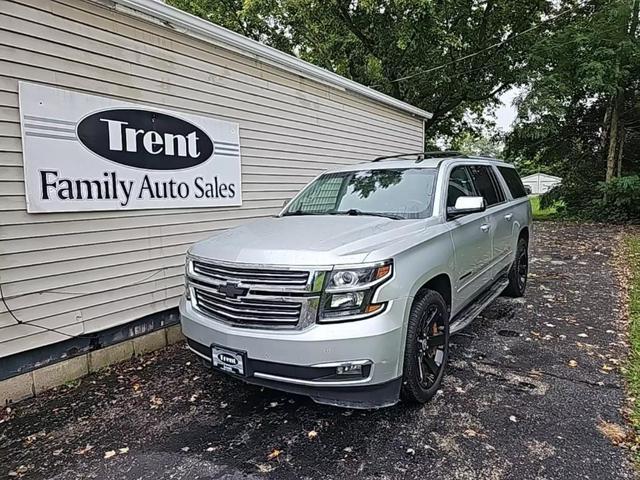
427, 348
519, 271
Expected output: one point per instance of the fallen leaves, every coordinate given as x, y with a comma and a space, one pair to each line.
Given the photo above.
21, 470
5, 414
613, 432
275, 453
264, 467
84, 450
573, 363
109, 454
312, 434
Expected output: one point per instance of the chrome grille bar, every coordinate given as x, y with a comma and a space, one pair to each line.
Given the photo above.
256, 307
247, 313
268, 296
250, 276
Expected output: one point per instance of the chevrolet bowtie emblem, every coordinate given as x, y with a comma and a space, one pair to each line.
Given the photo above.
232, 290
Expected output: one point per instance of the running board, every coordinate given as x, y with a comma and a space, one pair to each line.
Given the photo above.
466, 316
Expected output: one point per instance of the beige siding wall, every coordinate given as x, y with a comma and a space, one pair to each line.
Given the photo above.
82, 272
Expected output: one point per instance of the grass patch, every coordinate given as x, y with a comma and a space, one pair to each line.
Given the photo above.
632, 370
542, 214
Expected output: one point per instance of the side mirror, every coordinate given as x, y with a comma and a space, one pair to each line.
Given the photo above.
285, 203
466, 205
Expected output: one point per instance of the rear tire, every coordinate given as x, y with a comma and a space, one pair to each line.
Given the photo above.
519, 271
427, 348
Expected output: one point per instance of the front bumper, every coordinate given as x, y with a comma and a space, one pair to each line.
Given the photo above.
289, 359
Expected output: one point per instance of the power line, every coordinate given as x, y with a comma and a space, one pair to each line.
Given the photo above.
42, 327
483, 50
55, 330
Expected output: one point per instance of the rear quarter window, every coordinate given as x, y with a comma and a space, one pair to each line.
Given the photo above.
513, 182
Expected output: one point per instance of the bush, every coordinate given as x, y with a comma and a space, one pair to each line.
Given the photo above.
616, 202
619, 200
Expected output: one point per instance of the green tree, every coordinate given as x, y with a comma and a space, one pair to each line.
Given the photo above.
444, 57
580, 116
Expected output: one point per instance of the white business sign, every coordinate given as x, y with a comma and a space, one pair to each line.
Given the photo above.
85, 152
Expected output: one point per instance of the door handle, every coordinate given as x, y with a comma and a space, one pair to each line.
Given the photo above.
485, 227
508, 217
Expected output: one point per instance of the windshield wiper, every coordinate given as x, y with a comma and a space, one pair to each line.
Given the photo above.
298, 212
356, 212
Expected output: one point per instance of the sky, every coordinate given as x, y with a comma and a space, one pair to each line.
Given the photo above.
506, 114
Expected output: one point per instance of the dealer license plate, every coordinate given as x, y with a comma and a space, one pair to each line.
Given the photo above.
227, 360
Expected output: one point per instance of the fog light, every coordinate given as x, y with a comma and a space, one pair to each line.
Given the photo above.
349, 369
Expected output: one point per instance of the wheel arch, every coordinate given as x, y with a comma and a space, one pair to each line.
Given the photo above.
440, 283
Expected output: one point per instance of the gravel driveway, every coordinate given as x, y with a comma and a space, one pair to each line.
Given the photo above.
530, 385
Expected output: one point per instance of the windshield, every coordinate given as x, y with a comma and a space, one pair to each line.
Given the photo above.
401, 193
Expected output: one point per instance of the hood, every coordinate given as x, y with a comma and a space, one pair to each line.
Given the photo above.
306, 240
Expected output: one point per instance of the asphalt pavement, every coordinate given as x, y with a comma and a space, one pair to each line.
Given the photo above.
533, 391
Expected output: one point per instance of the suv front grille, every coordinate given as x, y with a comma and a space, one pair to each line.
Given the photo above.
245, 311
254, 296
252, 276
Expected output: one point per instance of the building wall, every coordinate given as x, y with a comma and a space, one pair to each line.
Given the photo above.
540, 182
84, 272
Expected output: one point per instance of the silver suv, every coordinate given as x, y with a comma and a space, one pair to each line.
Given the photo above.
350, 294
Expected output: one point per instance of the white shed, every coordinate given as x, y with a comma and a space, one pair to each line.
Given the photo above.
80, 275
540, 182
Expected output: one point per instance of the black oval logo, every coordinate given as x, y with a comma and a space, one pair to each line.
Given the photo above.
228, 359
145, 139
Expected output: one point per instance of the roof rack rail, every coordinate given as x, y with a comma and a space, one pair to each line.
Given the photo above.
420, 156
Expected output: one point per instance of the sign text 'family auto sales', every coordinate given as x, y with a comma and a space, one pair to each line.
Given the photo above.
85, 152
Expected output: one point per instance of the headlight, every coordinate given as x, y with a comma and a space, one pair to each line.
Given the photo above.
349, 292
347, 300
358, 278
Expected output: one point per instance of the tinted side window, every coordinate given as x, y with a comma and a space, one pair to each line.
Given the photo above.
513, 181
486, 185
460, 185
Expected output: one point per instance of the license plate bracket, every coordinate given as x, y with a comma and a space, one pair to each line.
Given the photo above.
228, 360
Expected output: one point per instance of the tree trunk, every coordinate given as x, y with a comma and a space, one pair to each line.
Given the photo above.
606, 121
633, 25
621, 138
614, 132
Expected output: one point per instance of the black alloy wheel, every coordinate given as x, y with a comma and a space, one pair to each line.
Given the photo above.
427, 348
523, 268
431, 346
519, 271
